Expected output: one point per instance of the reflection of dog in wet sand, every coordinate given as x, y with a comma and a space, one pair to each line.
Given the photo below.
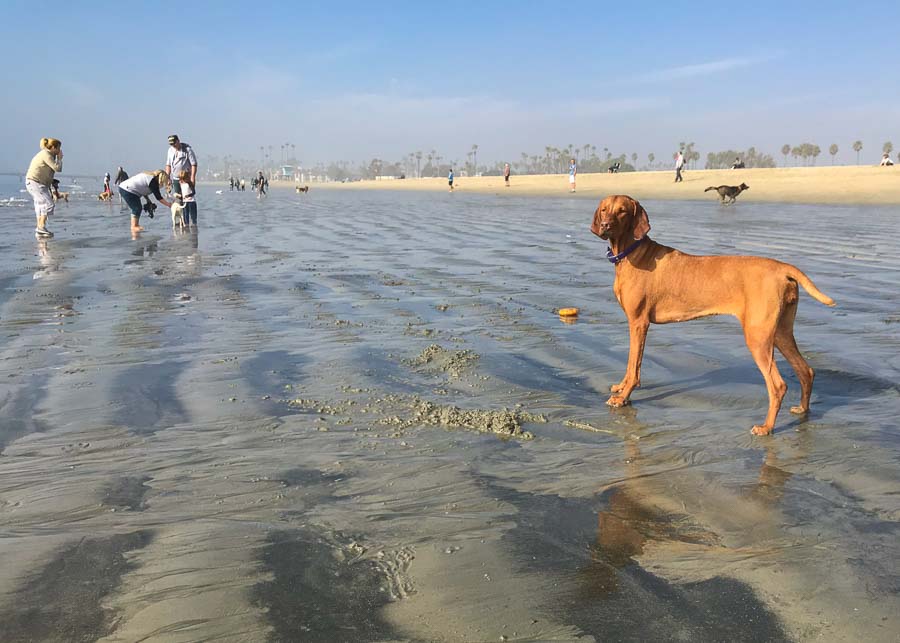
728, 191
657, 284
304, 189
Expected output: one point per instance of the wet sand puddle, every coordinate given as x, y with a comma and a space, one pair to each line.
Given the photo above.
355, 416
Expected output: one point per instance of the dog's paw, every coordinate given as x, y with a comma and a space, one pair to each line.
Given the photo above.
616, 401
799, 410
761, 430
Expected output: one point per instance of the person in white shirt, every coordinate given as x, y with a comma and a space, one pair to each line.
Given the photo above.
187, 198
679, 165
180, 158
886, 160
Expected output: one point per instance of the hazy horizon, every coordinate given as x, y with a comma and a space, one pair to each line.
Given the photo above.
358, 82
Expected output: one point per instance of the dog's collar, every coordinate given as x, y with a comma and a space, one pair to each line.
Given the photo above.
614, 259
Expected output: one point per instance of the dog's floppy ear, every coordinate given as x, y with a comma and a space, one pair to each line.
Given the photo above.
641, 222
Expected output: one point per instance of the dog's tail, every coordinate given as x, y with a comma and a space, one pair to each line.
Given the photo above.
711, 187
797, 275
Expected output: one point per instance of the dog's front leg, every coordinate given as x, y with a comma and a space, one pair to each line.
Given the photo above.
637, 329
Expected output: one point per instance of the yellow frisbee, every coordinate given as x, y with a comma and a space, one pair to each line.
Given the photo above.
567, 312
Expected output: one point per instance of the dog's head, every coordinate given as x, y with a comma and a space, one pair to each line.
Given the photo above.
744, 186
617, 216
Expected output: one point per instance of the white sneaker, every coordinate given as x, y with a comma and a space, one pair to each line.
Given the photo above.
43, 232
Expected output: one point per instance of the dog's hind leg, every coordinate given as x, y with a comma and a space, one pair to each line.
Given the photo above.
787, 346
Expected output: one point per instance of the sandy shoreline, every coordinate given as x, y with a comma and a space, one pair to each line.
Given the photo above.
856, 184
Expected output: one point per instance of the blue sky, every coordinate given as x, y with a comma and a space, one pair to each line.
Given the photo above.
355, 80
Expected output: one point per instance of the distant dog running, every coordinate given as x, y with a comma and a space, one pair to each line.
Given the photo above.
728, 193
305, 188
614, 168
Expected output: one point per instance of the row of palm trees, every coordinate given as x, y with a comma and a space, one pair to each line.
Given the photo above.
809, 152
553, 160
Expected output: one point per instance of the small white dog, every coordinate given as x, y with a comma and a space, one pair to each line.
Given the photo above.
177, 217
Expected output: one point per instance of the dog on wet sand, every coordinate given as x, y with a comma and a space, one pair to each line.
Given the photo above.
304, 189
728, 193
656, 284
177, 215
104, 196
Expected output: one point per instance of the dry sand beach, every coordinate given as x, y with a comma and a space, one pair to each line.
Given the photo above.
354, 415
859, 184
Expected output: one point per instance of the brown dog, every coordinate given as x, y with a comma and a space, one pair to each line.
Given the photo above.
657, 284
104, 196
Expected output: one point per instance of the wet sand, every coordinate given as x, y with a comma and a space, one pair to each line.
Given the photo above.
354, 415
843, 184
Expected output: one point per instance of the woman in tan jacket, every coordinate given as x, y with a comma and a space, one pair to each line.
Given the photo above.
38, 180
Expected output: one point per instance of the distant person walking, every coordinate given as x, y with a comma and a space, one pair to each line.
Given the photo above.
260, 185
180, 158
143, 184
450, 179
106, 188
243, 185
573, 171
39, 178
121, 175
506, 174
679, 165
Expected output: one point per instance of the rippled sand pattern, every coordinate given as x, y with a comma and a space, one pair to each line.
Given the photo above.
349, 416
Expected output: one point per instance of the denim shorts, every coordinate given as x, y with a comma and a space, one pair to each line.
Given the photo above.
133, 201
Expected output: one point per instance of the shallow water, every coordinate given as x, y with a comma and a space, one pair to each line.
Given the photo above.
215, 434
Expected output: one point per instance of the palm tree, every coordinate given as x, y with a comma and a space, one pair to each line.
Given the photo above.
814, 152
475, 158
651, 157
634, 159
857, 147
833, 149
785, 149
887, 148
418, 161
262, 153
294, 153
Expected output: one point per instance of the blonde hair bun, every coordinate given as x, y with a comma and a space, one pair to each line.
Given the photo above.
50, 143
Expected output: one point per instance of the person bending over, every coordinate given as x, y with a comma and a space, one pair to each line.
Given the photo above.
143, 184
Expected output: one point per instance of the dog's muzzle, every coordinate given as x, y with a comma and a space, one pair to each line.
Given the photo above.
601, 230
